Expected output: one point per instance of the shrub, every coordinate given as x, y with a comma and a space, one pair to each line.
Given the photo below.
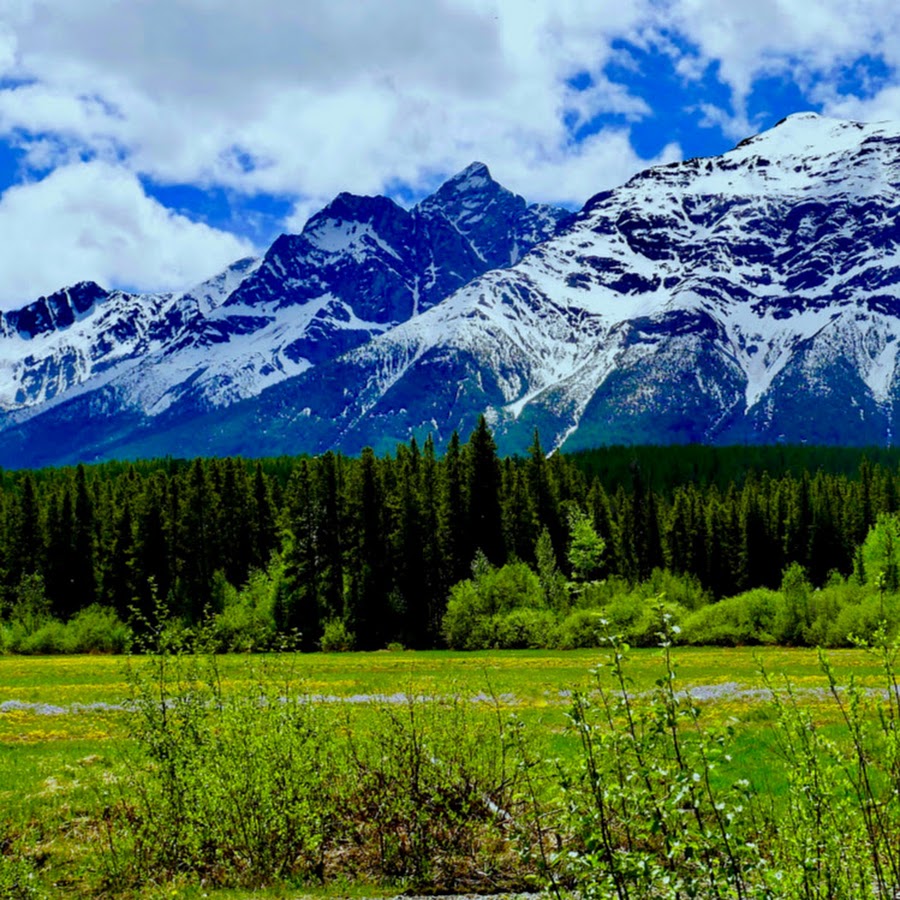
748, 618
879, 556
682, 589
51, 637
471, 620
826, 607
232, 786
581, 629
595, 594
96, 629
523, 629
336, 638
659, 812
247, 617
792, 617
30, 607
433, 795
249, 787
864, 620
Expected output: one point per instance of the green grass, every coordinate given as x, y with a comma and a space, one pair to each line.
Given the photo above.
532, 675
50, 764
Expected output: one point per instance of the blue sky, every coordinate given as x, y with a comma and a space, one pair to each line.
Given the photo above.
147, 143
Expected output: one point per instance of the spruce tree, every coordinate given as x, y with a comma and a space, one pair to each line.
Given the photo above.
483, 486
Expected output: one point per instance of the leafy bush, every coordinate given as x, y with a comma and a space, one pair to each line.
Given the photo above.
793, 615
595, 594
51, 637
827, 607
336, 638
477, 605
748, 618
522, 629
685, 589
879, 556
247, 619
864, 621
581, 629
433, 792
658, 812
232, 786
250, 787
96, 629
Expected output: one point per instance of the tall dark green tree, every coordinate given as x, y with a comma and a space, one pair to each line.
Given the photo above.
369, 612
23, 529
457, 549
197, 544
300, 607
84, 579
483, 487
328, 497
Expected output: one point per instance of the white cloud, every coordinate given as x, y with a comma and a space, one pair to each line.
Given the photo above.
93, 221
331, 95
807, 43
884, 106
325, 95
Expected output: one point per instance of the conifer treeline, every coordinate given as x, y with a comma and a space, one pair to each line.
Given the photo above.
378, 542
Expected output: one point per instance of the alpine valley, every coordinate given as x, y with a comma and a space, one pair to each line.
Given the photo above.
750, 297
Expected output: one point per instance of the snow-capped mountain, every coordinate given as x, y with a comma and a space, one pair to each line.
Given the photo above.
749, 297
93, 368
753, 296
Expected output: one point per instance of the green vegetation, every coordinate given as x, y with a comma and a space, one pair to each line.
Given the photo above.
189, 767
363, 553
666, 773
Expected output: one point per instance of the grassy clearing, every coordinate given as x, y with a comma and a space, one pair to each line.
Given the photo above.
60, 752
533, 676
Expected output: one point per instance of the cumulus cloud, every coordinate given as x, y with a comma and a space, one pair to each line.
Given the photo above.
304, 100
319, 96
808, 44
93, 221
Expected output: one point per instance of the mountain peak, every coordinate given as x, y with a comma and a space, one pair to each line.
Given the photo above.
804, 116
474, 176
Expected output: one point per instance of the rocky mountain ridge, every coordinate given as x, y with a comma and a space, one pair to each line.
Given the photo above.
750, 297
361, 266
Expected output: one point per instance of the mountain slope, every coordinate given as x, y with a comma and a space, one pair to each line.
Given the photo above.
93, 365
748, 297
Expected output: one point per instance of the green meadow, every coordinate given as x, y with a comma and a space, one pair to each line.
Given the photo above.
68, 743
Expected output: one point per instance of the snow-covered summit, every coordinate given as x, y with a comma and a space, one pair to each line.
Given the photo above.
361, 266
753, 296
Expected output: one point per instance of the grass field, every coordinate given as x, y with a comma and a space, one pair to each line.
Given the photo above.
63, 720
53, 710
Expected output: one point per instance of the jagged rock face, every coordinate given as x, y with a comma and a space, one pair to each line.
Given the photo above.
749, 297
383, 264
360, 267
744, 298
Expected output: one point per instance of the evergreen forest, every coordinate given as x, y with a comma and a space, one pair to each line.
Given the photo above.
793, 545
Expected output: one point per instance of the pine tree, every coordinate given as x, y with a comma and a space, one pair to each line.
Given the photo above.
196, 546
434, 586
301, 608
84, 580
369, 613
408, 603
457, 549
483, 486
544, 496
328, 491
